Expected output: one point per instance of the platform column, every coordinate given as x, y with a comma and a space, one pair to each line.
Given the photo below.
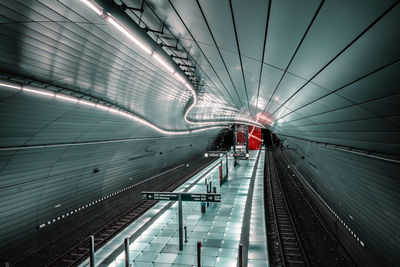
180, 222
91, 243
126, 243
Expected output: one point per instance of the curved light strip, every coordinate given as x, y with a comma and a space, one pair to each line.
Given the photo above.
157, 56
76, 100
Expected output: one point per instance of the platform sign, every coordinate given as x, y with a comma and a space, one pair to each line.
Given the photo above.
170, 196
212, 154
240, 155
215, 154
159, 196
210, 197
219, 154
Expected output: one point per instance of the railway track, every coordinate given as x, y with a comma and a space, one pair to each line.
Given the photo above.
287, 249
299, 188
79, 252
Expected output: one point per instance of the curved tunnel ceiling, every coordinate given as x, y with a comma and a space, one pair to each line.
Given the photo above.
318, 70
66, 44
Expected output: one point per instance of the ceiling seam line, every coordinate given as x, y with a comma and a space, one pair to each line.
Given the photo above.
333, 122
346, 85
295, 52
263, 54
240, 57
50, 29
341, 52
187, 52
352, 105
254, 59
116, 96
348, 149
219, 78
126, 62
94, 99
353, 132
219, 52
91, 142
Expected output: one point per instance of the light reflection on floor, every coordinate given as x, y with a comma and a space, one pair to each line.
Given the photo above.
219, 229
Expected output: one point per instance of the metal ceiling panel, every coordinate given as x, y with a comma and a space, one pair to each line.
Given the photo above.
357, 61
288, 22
380, 84
335, 27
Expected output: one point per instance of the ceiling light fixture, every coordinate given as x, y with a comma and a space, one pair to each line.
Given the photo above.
124, 30
10, 86
38, 91
87, 103
180, 78
163, 63
128, 34
93, 6
114, 110
68, 98
100, 106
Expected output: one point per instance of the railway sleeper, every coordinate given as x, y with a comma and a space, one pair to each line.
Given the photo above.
296, 262
68, 260
288, 238
293, 254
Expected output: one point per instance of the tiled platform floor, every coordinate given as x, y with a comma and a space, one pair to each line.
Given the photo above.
219, 229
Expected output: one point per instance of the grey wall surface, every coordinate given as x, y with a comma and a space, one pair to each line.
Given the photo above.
324, 71
49, 150
363, 192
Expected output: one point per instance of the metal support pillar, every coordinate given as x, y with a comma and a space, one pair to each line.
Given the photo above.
198, 254
234, 137
247, 139
180, 222
227, 167
91, 244
126, 245
185, 234
240, 262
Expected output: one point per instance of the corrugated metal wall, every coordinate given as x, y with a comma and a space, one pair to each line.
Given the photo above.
363, 192
53, 148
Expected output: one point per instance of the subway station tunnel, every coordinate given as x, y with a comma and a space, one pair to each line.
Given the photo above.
101, 100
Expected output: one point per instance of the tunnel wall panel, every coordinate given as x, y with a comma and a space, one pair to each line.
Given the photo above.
50, 149
363, 192
71, 183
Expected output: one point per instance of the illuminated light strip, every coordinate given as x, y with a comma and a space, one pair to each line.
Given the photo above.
103, 107
142, 45
93, 6
180, 78
163, 63
38, 91
114, 110
255, 137
128, 34
11, 86
67, 98
202, 123
87, 103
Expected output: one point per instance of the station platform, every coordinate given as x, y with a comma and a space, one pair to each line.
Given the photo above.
237, 219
